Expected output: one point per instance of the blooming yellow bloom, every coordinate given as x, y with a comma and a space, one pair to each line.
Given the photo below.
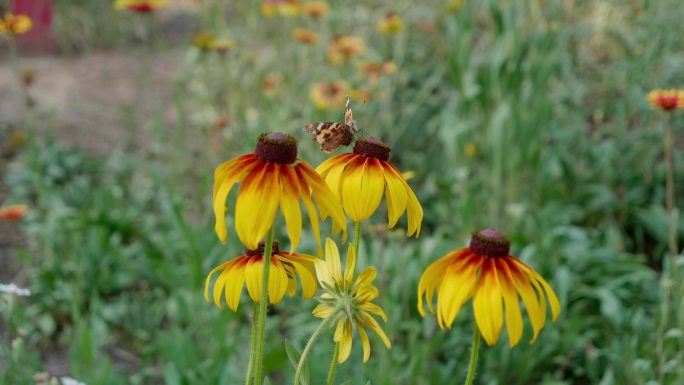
287, 8
222, 46
305, 36
359, 179
486, 272
273, 177
140, 6
391, 23
12, 213
348, 299
203, 40
470, 149
455, 5
247, 269
328, 95
13, 24
345, 48
666, 100
315, 9
375, 69
272, 83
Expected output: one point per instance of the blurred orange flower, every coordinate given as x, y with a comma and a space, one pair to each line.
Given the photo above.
391, 23
140, 6
315, 9
305, 36
12, 213
13, 24
329, 95
375, 69
272, 83
359, 95
222, 46
287, 8
202, 40
344, 48
666, 100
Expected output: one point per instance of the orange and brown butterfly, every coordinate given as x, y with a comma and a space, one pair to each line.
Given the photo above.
332, 135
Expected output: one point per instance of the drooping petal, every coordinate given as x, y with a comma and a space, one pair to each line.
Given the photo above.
225, 177
514, 322
305, 271
257, 203
432, 279
332, 260
345, 342
397, 198
487, 304
414, 209
327, 202
289, 205
529, 297
550, 294
362, 188
460, 280
253, 278
350, 265
305, 193
322, 311
277, 281
207, 281
374, 309
375, 327
235, 282
365, 343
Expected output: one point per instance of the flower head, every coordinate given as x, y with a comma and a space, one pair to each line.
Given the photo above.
349, 300
391, 23
273, 177
203, 40
376, 69
222, 46
361, 178
272, 83
666, 100
305, 36
328, 95
13, 24
287, 8
247, 270
140, 6
345, 48
315, 9
495, 280
12, 213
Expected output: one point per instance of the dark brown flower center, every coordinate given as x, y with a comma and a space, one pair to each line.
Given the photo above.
372, 146
276, 147
259, 252
490, 243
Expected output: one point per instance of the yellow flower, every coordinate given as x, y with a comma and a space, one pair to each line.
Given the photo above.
455, 5
273, 177
315, 9
140, 6
12, 213
305, 36
494, 279
470, 150
247, 270
222, 46
375, 69
328, 95
666, 100
345, 48
391, 23
203, 40
287, 8
272, 83
349, 300
13, 24
360, 179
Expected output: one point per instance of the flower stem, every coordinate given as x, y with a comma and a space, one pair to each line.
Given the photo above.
309, 345
250, 367
261, 319
357, 237
474, 350
671, 215
333, 365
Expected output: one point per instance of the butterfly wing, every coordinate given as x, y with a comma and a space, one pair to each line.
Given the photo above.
330, 135
349, 117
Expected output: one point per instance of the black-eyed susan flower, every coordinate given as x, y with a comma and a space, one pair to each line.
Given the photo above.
203, 40
345, 48
140, 6
328, 95
315, 9
666, 100
13, 24
273, 177
361, 178
305, 36
247, 270
376, 69
288, 8
348, 300
272, 83
12, 213
222, 46
495, 280
391, 23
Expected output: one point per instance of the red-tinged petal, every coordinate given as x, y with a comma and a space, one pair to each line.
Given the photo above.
289, 205
529, 297
432, 279
333, 162
257, 203
397, 197
487, 304
253, 278
277, 282
460, 280
225, 177
514, 322
551, 295
235, 282
305, 192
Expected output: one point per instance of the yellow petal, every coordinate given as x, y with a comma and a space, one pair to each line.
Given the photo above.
345, 342
207, 282
397, 198
514, 322
289, 205
350, 265
328, 203
414, 209
529, 297
487, 303
322, 273
322, 311
234, 284
277, 282
553, 299
305, 193
225, 177
375, 327
457, 286
362, 188
253, 278
332, 260
365, 344
432, 279
374, 309
333, 162
305, 271
256, 205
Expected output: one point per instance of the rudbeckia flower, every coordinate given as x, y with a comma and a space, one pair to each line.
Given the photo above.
273, 177
345, 48
140, 6
305, 36
348, 300
666, 100
12, 213
391, 23
375, 69
272, 83
13, 24
203, 40
247, 270
315, 9
495, 280
222, 46
328, 95
287, 8
361, 178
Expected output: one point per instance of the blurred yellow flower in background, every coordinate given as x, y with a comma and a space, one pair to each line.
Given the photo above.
374, 69
288, 8
140, 6
345, 48
247, 269
666, 100
315, 9
470, 149
272, 83
329, 95
12, 213
222, 46
391, 23
455, 5
305, 36
13, 24
202, 40
348, 300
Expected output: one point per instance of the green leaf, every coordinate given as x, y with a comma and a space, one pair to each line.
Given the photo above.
294, 356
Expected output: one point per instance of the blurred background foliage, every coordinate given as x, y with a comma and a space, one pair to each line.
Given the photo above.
527, 116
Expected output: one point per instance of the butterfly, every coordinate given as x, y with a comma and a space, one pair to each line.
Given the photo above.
332, 135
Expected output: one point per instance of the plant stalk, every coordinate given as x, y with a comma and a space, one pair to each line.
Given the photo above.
333, 365
252, 341
309, 345
474, 350
261, 322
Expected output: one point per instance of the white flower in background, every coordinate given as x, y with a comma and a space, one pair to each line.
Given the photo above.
70, 381
14, 289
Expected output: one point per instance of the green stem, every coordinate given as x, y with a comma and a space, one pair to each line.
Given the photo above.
333, 365
261, 323
309, 345
474, 350
671, 215
357, 237
250, 367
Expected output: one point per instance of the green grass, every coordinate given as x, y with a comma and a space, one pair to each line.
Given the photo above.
568, 162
